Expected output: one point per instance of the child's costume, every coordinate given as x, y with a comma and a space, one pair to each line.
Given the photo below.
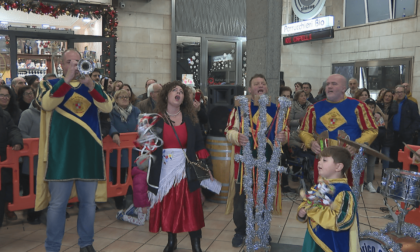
334, 227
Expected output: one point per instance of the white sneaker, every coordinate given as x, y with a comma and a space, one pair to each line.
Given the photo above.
361, 188
371, 188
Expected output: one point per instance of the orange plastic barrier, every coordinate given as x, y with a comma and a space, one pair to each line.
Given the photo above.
404, 157
30, 149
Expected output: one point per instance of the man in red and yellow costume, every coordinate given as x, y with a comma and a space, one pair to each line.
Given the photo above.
337, 112
234, 135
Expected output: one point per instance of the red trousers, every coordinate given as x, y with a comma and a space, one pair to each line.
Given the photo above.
349, 175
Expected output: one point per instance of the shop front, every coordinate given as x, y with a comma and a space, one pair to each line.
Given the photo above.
34, 36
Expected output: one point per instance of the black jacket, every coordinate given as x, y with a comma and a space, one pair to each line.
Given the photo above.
410, 120
388, 137
311, 99
194, 143
9, 135
105, 121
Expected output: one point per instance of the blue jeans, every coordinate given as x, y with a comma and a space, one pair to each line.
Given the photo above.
56, 215
385, 151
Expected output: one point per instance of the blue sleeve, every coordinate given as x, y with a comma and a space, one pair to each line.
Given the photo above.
113, 130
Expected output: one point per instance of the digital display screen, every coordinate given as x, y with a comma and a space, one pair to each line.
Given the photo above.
307, 37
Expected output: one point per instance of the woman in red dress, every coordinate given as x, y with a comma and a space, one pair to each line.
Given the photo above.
174, 193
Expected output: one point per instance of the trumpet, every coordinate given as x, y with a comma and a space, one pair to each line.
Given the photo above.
85, 67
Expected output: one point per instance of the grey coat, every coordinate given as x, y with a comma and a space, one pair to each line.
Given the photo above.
29, 128
296, 113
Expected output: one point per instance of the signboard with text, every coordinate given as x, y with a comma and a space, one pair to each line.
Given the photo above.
309, 25
307, 37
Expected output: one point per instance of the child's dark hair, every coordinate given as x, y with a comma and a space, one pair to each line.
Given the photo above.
370, 101
339, 155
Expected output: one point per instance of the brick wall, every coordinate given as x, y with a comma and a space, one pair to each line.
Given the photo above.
144, 43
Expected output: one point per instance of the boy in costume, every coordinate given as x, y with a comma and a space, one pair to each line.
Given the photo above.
70, 151
233, 132
333, 221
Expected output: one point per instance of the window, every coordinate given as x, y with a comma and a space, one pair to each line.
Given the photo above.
358, 12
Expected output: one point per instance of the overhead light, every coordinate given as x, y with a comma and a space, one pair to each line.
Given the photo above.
45, 26
76, 28
4, 22
52, 27
86, 20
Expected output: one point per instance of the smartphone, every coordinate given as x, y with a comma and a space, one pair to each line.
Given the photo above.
197, 96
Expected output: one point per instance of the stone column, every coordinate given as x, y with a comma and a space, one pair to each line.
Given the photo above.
263, 33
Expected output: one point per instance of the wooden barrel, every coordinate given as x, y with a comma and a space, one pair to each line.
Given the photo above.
220, 151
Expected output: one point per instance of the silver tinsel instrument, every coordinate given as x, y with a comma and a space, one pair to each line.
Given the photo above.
262, 211
357, 167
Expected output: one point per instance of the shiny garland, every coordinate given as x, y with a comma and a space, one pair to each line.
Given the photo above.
357, 167
390, 244
262, 211
108, 14
407, 230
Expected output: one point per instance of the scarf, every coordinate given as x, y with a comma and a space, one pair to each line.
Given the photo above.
124, 113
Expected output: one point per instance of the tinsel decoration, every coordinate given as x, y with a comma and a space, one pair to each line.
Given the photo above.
262, 211
357, 167
388, 242
407, 230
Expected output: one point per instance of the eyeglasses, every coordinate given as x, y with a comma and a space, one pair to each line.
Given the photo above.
399, 92
2, 96
124, 97
29, 94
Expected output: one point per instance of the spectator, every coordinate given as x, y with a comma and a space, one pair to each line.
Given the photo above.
405, 122
108, 86
123, 119
298, 86
50, 76
201, 112
380, 95
362, 95
353, 87
149, 104
307, 87
286, 92
9, 135
9, 104
133, 100
29, 127
389, 108
118, 85
17, 83
95, 75
321, 92
25, 96
297, 113
407, 89
144, 96
33, 81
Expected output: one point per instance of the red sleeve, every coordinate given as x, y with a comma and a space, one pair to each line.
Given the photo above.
202, 154
96, 95
61, 91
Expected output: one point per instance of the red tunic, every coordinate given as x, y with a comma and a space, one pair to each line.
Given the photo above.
180, 210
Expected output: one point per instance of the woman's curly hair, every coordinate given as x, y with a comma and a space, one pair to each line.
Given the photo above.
187, 107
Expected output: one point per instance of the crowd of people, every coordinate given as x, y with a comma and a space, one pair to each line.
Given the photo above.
65, 110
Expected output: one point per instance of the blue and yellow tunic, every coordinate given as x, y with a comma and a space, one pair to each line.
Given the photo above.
70, 143
349, 115
335, 227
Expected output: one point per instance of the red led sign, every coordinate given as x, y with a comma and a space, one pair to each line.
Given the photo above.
318, 35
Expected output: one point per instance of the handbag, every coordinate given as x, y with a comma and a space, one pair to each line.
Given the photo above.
199, 168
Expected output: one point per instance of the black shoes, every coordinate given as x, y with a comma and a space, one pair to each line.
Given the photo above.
172, 242
238, 240
195, 244
88, 248
287, 189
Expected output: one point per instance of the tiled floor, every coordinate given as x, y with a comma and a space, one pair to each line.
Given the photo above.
113, 235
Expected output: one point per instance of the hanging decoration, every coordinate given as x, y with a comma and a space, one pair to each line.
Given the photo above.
108, 13
263, 209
